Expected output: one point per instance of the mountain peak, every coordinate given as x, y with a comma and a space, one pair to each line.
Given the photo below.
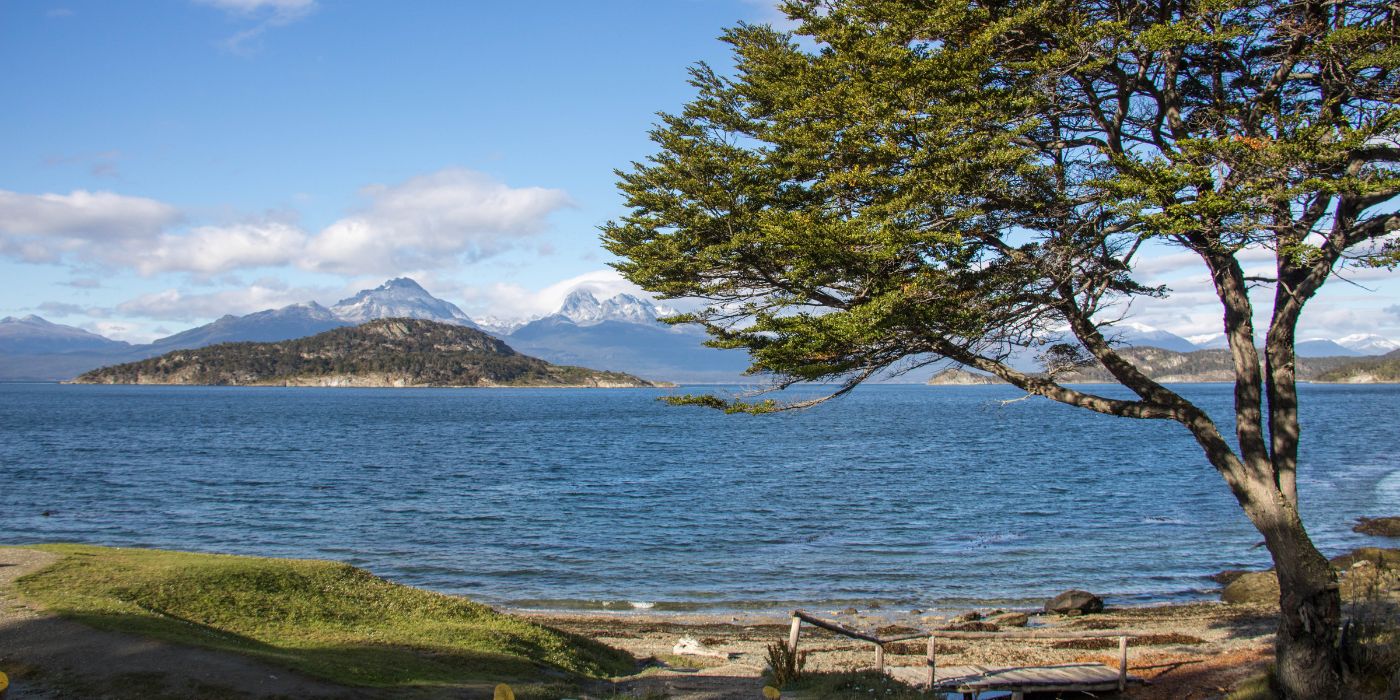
584, 309
400, 297
402, 283
1368, 343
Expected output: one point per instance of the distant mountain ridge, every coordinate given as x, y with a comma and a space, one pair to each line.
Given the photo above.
294, 321
397, 352
584, 309
66, 351
34, 335
618, 333
1169, 366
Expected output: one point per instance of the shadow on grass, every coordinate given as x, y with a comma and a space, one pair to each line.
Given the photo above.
355, 670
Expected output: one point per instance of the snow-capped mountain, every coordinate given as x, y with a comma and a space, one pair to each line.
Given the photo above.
1322, 347
272, 325
399, 298
33, 335
1209, 341
1135, 334
622, 333
497, 325
1368, 344
584, 309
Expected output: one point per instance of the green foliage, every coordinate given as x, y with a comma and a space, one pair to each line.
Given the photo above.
916, 180
1261, 687
1385, 368
785, 664
728, 406
853, 685
1371, 636
323, 618
409, 352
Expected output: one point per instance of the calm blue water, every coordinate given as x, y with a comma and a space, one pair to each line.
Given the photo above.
910, 496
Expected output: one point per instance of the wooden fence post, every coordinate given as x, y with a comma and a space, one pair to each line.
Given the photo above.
792, 634
932, 664
1122, 663
880, 657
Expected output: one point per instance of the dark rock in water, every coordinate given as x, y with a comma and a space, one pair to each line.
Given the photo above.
1228, 576
1380, 527
850, 611
1252, 587
1074, 602
1010, 619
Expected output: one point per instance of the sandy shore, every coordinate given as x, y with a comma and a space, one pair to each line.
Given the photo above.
1187, 651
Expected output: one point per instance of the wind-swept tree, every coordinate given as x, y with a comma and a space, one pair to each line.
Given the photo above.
900, 182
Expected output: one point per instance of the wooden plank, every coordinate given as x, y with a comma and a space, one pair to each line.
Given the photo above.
834, 627
1061, 677
1047, 633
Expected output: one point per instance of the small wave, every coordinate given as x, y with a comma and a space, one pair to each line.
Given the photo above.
1162, 520
641, 605
1388, 488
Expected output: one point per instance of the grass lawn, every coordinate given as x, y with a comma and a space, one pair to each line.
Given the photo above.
325, 619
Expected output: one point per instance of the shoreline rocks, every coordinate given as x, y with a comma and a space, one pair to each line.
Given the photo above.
1362, 573
1388, 526
1074, 602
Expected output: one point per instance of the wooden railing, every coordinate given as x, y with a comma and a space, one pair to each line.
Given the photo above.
799, 617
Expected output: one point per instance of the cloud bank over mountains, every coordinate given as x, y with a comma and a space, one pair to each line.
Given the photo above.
439, 220
434, 227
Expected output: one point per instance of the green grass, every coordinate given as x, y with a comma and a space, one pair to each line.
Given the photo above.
325, 619
1263, 686
851, 685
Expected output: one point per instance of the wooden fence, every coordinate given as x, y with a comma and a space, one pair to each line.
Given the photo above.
1026, 677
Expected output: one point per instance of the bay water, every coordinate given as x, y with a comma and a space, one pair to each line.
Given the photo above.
901, 496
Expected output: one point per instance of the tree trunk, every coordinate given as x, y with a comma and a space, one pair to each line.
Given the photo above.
1310, 611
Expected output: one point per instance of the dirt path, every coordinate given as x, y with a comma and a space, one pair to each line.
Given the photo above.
49, 657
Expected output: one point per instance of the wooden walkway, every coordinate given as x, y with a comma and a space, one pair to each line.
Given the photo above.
1060, 678
973, 680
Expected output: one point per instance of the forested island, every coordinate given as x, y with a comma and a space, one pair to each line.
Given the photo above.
1208, 366
396, 352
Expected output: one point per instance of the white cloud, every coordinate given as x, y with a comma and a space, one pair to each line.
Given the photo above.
1339, 309
177, 305
121, 330
56, 222
269, 14
214, 249
250, 7
433, 221
512, 301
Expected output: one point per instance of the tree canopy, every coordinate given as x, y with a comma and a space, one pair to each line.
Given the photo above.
897, 182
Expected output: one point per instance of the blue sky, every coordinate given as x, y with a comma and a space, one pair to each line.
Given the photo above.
169, 161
